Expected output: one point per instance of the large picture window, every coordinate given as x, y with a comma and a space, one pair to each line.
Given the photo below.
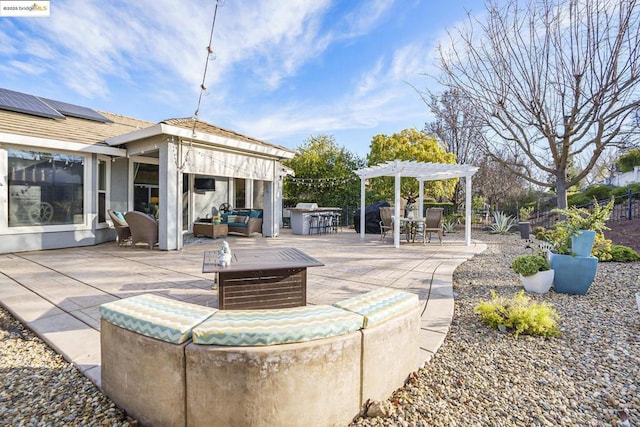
45, 188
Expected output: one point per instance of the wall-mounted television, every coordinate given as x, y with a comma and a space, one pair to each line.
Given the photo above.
205, 184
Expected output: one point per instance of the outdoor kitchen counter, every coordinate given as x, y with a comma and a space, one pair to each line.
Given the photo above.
300, 217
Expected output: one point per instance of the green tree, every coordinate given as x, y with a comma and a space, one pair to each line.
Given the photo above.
629, 160
324, 174
409, 144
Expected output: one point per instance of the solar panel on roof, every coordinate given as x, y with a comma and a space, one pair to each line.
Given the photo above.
24, 103
76, 111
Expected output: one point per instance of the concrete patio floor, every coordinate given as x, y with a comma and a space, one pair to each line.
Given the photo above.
56, 293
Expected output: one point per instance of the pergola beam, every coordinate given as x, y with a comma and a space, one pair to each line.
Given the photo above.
422, 171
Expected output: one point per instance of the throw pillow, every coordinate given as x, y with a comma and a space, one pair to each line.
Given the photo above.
231, 218
119, 215
246, 219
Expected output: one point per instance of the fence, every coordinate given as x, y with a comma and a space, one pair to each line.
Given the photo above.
626, 207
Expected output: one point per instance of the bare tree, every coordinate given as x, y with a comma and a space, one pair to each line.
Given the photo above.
553, 81
457, 128
497, 184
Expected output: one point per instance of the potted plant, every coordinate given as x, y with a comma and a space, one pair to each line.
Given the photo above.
535, 272
410, 207
524, 225
572, 239
576, 233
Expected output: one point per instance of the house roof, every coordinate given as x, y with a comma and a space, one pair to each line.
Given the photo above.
205, 134
71, 129
423, 171
204, 127
100, 136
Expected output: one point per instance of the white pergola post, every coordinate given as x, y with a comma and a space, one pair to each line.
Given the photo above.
421, 197
362, 205
396, 212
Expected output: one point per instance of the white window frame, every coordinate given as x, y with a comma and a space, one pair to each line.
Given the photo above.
107, 191
86, 193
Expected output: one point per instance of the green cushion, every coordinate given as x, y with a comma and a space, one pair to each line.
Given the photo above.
275, 326
156, 317
255, 214
119, 216
380, 305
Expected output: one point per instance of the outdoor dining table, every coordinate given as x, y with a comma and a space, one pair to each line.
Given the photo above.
411, 227
261, 278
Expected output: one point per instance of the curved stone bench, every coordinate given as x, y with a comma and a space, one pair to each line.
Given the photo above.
171, 363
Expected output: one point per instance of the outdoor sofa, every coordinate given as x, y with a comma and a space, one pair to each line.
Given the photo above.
243, 221
171, 363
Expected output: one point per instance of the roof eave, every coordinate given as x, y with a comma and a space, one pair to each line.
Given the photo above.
37, 142
187, 134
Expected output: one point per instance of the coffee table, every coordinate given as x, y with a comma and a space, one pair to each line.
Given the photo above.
261, 278
210, 229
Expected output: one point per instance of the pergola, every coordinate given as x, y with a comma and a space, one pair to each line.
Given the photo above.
422, 171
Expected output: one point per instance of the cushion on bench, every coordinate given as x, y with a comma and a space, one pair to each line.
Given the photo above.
275, 326
379, 305
156, 317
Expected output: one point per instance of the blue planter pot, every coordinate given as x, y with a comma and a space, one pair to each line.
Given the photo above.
582, 243
573, 274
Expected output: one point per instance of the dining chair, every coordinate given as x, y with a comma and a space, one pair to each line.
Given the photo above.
432, 224
386, 222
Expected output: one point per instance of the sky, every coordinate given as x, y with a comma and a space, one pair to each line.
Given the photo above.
284, 71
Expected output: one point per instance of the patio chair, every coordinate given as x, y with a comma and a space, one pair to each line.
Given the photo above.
432, 224
144, 229
123, 233
386, 222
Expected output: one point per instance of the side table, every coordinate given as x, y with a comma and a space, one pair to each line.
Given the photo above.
219, 230
210, 229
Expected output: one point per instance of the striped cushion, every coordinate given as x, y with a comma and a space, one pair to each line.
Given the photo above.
156, 317
379, 305
275, 326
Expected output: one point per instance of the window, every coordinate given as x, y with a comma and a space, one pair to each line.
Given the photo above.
102, 190
45, 188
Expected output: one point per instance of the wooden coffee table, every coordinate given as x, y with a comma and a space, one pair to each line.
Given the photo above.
210, 229
261, 278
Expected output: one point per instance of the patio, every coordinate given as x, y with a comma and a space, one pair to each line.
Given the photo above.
56, 293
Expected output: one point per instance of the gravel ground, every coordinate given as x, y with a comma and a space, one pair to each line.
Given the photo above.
479, 377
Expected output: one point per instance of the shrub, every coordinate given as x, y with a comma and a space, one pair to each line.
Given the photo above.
502, 223
602, 248
528, 265
580, 219
520, 315
449, 226
621, 253
598, 192
578, 199
525, 213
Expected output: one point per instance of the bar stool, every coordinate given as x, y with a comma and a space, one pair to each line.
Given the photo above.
314, 223
323, 222
336, 221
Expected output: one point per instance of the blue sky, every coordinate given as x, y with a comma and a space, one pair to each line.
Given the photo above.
284, 70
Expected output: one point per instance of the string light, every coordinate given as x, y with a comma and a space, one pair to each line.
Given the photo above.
203, 88
320, 183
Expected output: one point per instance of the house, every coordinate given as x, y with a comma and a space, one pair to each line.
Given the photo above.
62, 166
621, 179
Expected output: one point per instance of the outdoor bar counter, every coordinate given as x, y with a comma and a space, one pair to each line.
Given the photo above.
301, 213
